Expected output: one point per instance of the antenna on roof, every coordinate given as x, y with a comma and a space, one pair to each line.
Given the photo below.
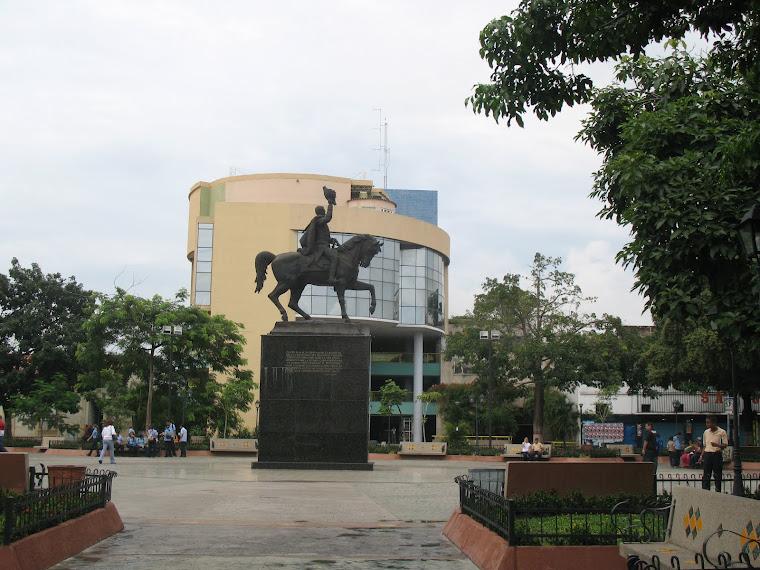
385, 152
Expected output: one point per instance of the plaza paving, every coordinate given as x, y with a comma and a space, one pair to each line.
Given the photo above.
216, 512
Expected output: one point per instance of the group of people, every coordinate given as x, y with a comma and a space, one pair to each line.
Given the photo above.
532, 451
134, 444
707, 451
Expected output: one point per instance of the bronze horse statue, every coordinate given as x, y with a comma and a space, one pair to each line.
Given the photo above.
294, 271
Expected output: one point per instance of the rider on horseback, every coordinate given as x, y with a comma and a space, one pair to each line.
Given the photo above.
316, 239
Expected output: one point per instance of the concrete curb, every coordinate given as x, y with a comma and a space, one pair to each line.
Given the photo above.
53, 545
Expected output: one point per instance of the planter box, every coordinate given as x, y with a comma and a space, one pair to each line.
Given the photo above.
53, 545
488, 551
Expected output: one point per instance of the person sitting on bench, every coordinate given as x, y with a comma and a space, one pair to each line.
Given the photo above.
536, 450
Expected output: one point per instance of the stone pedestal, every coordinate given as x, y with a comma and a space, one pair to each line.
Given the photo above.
314, 381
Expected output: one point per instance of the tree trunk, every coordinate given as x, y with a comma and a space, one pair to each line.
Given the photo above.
149, 406
538, 411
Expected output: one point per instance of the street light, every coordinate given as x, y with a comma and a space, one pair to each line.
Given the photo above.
737, 460
676, 408
258, 405
172, 331
477, 401
490, 336
580, 415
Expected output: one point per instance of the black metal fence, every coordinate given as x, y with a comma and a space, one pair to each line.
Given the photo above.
43, 508
666, 482
560, 526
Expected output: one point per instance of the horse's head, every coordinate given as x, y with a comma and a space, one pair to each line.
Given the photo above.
371, 249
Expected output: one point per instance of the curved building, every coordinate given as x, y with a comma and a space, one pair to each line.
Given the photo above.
232, 219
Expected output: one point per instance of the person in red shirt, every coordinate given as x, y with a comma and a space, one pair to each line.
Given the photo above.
2, 436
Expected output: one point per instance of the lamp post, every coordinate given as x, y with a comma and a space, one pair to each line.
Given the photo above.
490, 336
736, 459
580, 417
676, 407
172, 331
477, 401
258, 405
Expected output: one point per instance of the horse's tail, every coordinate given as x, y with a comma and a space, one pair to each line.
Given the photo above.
263, 260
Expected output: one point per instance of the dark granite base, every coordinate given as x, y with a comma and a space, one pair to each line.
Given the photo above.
315, 465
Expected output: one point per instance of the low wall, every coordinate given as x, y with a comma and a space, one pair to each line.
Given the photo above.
592, 479
488, 551
14, 471
53, 545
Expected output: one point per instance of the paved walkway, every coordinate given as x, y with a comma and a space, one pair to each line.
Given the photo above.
202, 512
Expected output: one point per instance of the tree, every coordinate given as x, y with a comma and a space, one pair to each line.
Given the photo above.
236, 394
427, 398
391, 396
538, 52
41, 318
48, 401
547, 341
125, 349
559, 416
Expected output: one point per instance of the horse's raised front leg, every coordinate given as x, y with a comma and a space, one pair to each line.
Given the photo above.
295, 296
362, 286
274, 296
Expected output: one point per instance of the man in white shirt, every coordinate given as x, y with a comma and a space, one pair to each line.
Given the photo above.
109, 433
182, 441
715, 439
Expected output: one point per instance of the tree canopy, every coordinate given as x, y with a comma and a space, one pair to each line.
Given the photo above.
537, 53
546, 341
41, 317
126, 358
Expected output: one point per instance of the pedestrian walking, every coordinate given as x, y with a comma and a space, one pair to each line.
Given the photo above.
109, 433
94, 435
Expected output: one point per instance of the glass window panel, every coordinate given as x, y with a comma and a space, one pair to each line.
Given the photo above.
420, 256
319, 305
362, 308
202, 297
203, 282
407, 297
389, 293
419, 314
305, 303
203, 267
389, 310
363, 274
205, 226
408, 256
420, 298
407, 315
204, 254
205, 238
333, 308
389, 263
407, 282
407, 270
430, 258
375, 274
419, 282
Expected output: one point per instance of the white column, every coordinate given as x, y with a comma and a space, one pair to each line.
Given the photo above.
417, 389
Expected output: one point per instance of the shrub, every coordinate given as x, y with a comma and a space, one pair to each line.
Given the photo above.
384, 448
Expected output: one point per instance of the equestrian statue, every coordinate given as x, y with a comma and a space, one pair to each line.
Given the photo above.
319, 261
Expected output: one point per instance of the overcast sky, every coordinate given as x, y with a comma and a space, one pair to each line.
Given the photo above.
111, 111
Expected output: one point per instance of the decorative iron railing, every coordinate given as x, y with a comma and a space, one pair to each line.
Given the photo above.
666, 482
43, 508
522, 526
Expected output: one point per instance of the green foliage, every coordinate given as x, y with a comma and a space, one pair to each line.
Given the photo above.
48, 401
41, 318
385, 449
539, 53
126, 357
560, 417
545, 339
391, 396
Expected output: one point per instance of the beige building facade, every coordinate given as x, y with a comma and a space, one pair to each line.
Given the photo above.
232, 219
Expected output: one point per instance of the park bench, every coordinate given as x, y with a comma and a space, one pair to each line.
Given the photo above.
703, 528
626, 450
513, 451
236, 445
423, 448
